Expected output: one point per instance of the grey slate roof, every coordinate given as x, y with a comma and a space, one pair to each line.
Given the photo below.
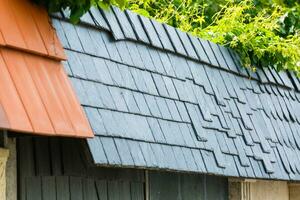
159, 98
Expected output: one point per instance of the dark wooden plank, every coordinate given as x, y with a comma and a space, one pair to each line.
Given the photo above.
137, 191
164, 186
48, 188
55, 152
42, 155
26, 163
101, 186
76, 188
192, 187
216, 188
89, 189
73, 164
33, 188
26, 158
62, 188
114, 190
125, 190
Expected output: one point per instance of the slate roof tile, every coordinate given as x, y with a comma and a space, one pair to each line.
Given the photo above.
160, 85
187, 44
113, 24
118, 98
139, 80
85, 40
98, 44
125, 57
173, 110
188, 137
189, 159
124, 23
163, 107
136, 58
71, 35
67, 68
124, 152
162, 99
92, 95
167, 64
199, 49
171, 132
182, 165
111, 151
180, 66
98, 18
160, 155
150, 84
79, 90
61, 33
152, 105
200, 76
170, 157
163, 36
199, 160
194, 112
75, 65
128, 81
177, 44
183, 111
130, 101
96, 122
137, 26
148, 154
98, 153
236, 168
156, 130
146, 58
151, 32
159, 66
170, 87
209, 52
141, 103
211, 164
221, 61
136, 153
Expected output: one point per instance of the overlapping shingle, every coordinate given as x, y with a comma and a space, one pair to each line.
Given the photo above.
163, 99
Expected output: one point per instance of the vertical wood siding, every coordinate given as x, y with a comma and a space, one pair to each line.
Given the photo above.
176, 186
57, 169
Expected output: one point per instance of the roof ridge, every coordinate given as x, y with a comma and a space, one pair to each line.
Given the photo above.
127, 25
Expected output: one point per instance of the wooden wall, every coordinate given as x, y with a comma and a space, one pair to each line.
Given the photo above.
58, 169
176, 186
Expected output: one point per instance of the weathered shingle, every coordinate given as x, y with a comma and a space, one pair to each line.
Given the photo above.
159, 98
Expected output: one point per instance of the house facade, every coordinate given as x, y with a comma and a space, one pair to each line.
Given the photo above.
121, 107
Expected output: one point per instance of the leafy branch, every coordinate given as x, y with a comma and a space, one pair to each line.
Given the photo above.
77, 7
263, 33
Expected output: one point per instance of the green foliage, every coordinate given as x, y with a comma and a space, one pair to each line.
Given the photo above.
77, 7
265, 33
269, 38
184, 14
